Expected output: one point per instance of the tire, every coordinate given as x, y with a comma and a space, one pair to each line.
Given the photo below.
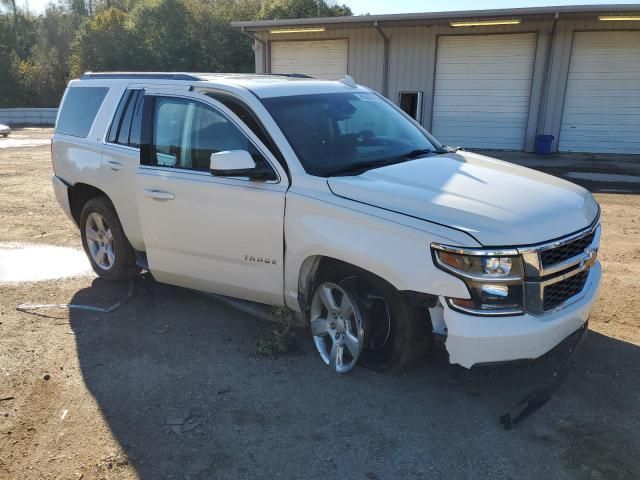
5, 135
120, 264
396, 332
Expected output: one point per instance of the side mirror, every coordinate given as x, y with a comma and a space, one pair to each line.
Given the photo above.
237, 163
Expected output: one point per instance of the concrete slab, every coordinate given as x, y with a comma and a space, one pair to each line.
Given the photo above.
595, 172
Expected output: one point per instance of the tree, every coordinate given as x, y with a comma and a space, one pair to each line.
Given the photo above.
105, 42
280, 9
41, 53
165, 34
14, 9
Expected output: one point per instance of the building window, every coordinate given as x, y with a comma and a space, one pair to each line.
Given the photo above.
411, 104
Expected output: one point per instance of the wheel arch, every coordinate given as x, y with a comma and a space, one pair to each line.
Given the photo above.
314, 267
79, 195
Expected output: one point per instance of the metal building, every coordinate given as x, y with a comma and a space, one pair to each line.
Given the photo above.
491, 79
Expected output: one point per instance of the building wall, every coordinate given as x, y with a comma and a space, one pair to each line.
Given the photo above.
412, 61
553, 103
366, 52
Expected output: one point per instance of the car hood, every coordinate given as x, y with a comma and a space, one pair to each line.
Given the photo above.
498, 203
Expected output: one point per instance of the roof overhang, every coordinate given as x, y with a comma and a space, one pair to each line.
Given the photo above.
416, 19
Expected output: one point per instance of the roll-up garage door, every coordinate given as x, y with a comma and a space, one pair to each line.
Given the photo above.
325, 59
602, 102
482, 90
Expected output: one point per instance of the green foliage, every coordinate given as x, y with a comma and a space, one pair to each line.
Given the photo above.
40, 54
106, 42
281, 339
301, 8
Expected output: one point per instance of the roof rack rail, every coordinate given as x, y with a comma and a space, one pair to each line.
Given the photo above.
292, 75
142, 75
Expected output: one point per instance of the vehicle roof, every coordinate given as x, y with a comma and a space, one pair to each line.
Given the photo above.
264, 86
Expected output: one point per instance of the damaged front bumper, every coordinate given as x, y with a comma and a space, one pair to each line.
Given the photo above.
472, 340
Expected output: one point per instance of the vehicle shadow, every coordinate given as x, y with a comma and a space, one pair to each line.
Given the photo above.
176, 378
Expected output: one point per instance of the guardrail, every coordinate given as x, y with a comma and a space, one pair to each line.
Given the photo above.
28, 116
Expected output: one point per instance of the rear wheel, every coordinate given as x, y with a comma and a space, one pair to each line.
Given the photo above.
110, 253
358, 318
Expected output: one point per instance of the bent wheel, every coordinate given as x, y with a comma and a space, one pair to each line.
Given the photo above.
356, 317
337, 326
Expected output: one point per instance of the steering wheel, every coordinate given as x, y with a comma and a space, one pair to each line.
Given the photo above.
364, 135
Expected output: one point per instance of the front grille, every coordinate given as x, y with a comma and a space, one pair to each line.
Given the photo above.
558, 293
566, 251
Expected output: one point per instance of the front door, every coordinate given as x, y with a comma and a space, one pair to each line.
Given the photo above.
218, 234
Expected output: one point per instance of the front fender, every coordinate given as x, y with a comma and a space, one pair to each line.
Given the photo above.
391, 246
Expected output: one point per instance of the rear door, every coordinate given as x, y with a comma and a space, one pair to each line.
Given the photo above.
218, 234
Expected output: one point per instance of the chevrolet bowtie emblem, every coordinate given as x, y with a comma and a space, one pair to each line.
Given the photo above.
592, 255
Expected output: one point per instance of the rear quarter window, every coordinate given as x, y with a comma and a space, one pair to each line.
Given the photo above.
79, 109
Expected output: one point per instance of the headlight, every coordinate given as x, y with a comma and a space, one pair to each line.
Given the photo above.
494, 279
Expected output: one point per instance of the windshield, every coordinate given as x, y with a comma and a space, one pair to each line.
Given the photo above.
347, 133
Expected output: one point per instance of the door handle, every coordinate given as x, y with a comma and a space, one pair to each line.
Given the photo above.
159, 195
115, 166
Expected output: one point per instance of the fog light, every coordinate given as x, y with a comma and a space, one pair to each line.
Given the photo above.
494, 292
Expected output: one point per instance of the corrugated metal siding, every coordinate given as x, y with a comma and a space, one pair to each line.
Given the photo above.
413, 55
559, 68
482, 90
411, 60
602, 103
366, 57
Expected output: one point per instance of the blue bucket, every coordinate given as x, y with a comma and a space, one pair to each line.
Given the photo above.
542, 145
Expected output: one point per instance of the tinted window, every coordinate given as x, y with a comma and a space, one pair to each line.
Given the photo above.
81, 104
186, 133
250, 120
136, 123
340, 132
125, 123
125, 128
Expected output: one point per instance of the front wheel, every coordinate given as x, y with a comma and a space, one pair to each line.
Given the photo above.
358, 318
337, 326
111, 255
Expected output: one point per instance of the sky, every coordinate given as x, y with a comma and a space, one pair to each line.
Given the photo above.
373, 7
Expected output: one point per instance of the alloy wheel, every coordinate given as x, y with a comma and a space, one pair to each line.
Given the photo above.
100, 241
337, 327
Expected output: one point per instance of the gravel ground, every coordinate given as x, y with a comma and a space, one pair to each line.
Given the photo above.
169, 386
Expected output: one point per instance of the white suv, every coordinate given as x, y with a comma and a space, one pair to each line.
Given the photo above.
325, 197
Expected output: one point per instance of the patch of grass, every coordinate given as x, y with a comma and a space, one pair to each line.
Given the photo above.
281, 339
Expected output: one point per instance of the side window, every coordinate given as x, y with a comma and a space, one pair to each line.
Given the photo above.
136, 122
186, 133
79, 109
249, 119
125, 128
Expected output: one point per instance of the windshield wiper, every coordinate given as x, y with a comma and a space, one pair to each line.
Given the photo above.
418, 152
361, 167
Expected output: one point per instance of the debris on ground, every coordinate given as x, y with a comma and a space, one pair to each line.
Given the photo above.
281, 339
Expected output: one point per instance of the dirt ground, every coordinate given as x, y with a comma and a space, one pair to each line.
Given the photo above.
169, 386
